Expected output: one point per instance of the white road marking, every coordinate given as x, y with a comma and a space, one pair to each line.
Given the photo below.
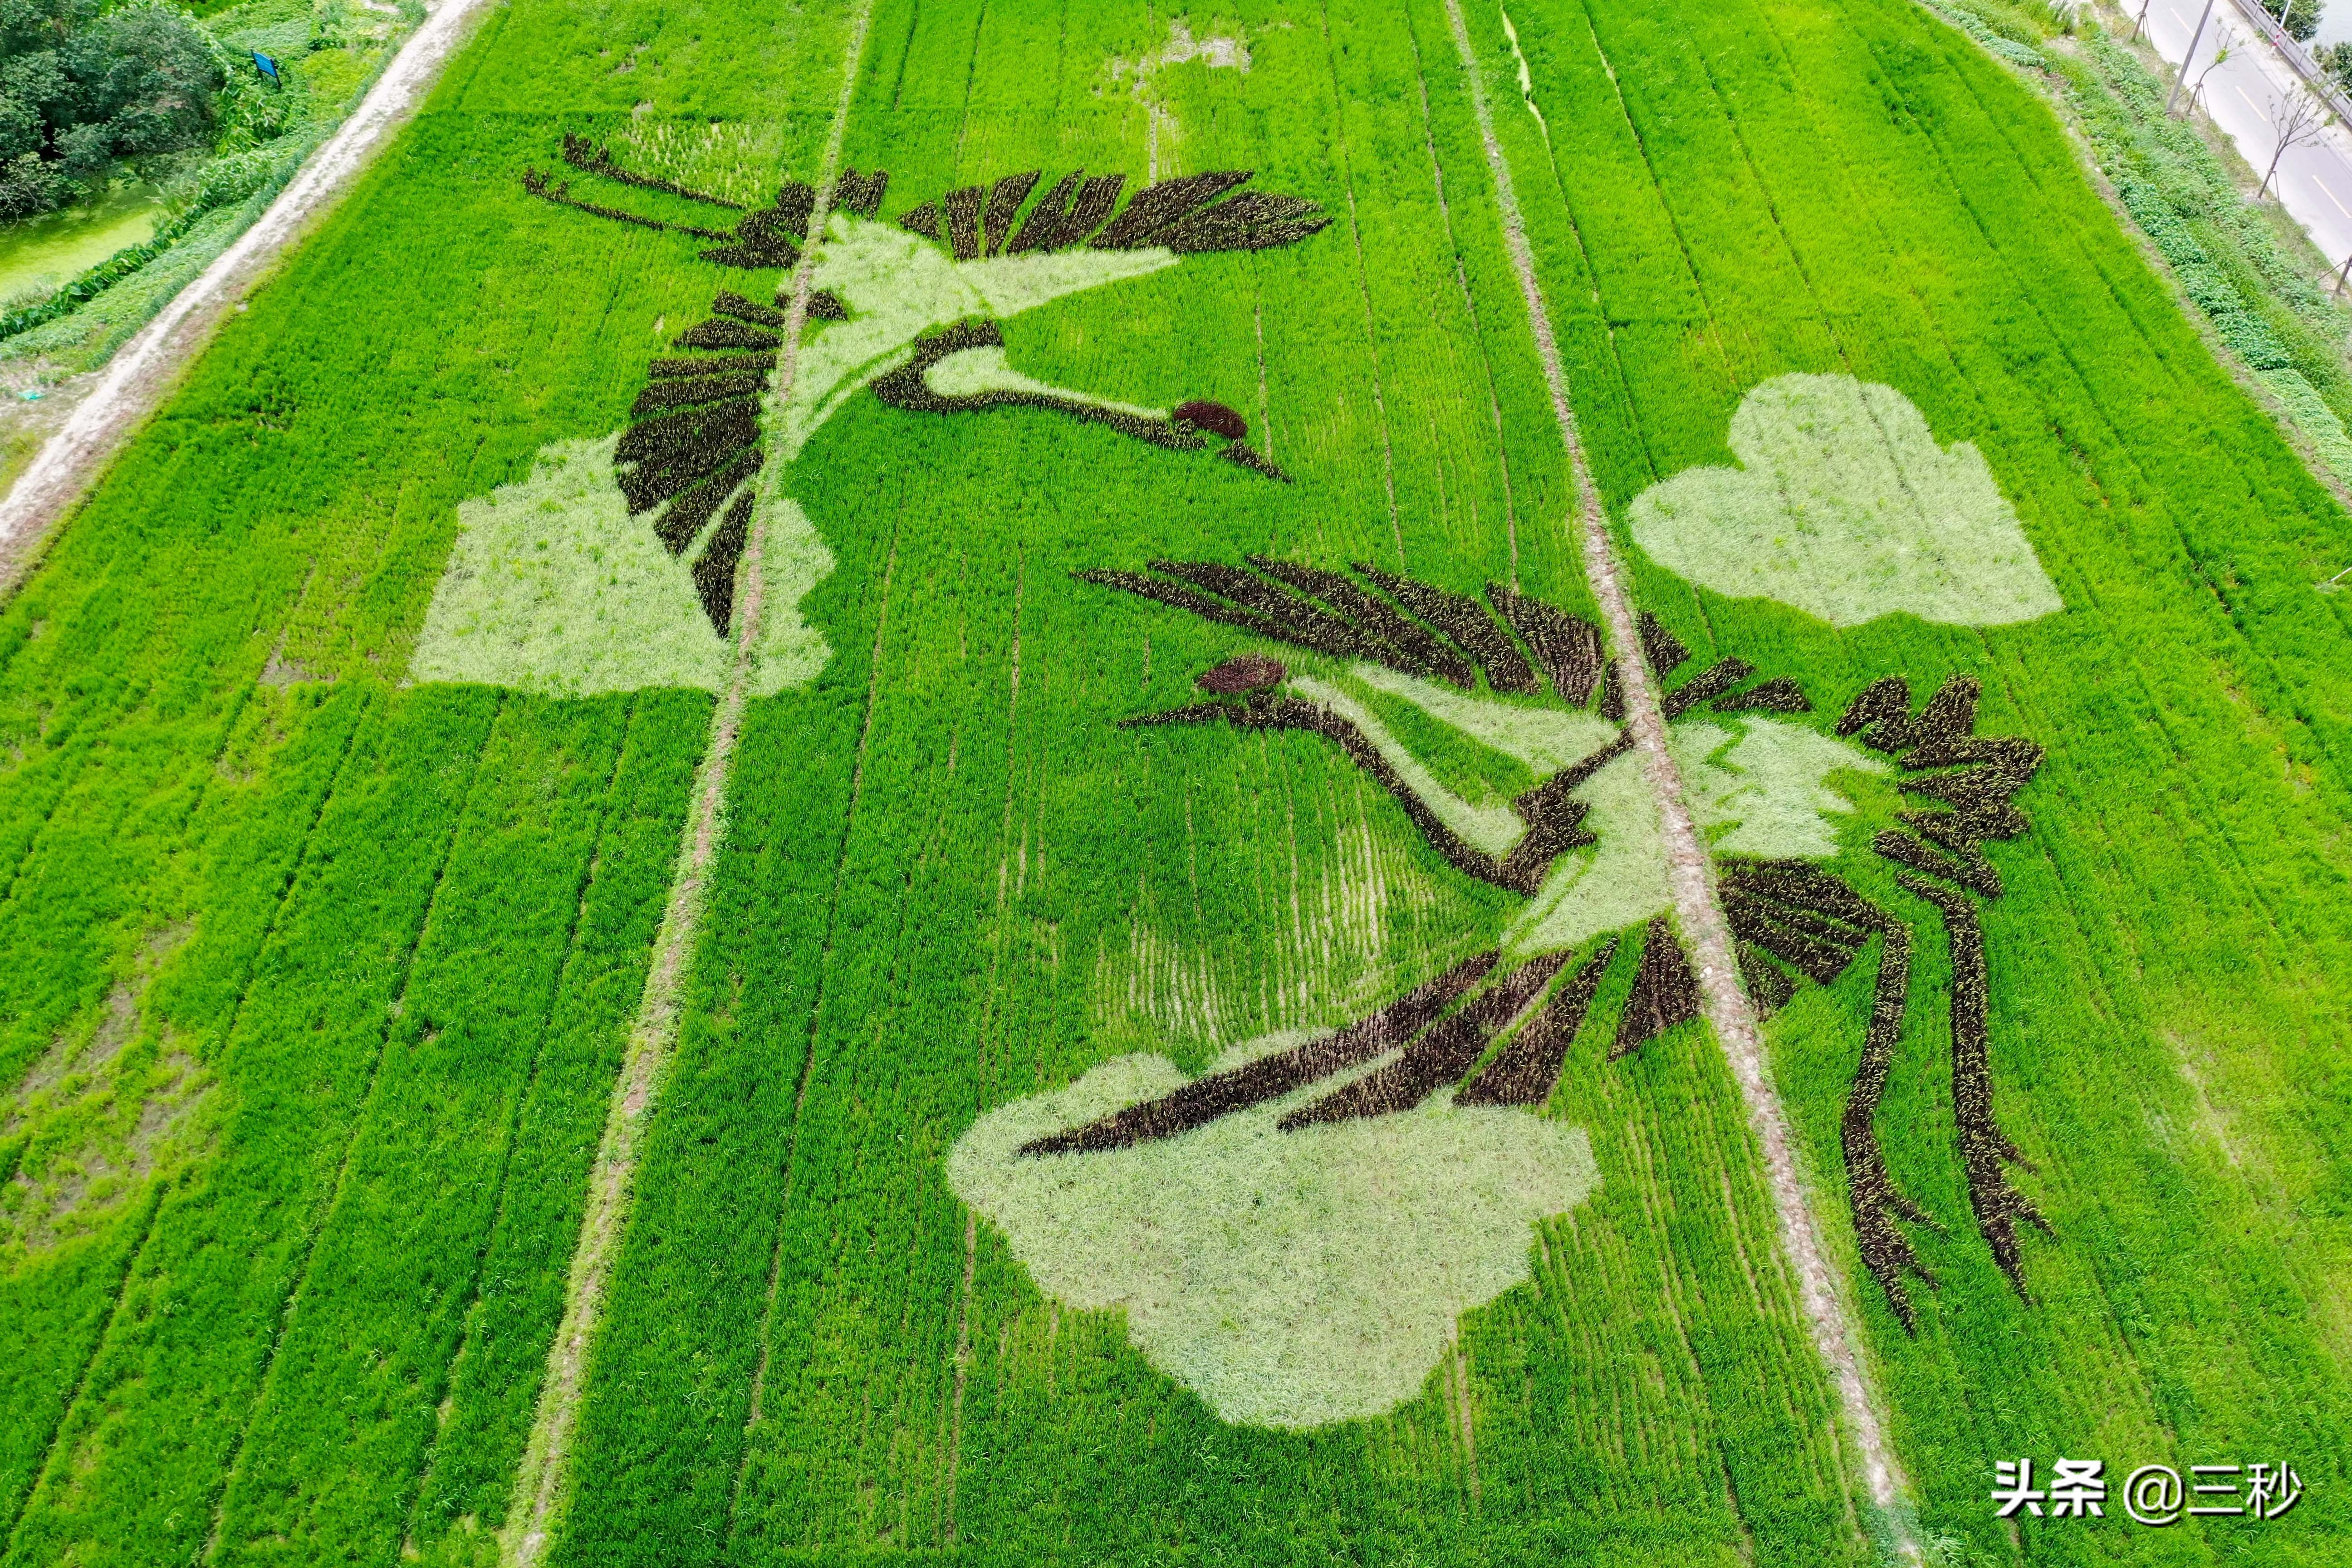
2330, 195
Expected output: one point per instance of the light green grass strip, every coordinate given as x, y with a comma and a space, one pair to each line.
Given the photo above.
1768, 781
1493, 827
975, 371
1844, 506
1288, 1279
1617, 882
1547, 739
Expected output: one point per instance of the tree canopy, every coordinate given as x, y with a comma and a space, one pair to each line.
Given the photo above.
82, 84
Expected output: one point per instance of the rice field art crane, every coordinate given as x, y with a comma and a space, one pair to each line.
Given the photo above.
909, 308
1531, 683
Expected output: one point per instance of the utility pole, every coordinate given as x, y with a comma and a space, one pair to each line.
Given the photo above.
2195, 38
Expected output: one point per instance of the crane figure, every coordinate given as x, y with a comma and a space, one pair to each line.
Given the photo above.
1533, 682
911, 308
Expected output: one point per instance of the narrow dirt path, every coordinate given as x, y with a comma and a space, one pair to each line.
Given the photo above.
144, 370
542, 1482
1697, 909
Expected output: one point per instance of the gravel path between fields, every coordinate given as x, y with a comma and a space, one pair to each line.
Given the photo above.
1697, 909
145, 369
543, 1481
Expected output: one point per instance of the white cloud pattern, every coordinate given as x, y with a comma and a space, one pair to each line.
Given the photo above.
1844, 506
1290, 1279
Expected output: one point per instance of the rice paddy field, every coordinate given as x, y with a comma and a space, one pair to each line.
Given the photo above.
556, 1019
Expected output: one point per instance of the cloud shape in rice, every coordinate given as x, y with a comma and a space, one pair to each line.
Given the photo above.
1290, 1279
1844, 506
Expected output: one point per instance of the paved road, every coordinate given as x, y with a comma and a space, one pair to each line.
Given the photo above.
2244, 95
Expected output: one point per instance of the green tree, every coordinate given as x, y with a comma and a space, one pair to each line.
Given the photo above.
2299, 17
81, 87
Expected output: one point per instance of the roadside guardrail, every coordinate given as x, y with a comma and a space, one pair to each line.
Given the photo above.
2314, 76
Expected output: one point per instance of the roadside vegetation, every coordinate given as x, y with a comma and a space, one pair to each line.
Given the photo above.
2243, 264
82, 89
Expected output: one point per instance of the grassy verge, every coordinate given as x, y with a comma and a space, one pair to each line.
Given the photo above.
328, 62
2246, 266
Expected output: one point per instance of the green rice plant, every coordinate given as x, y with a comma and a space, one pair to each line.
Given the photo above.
419, 915
385, 1296
266, 135
920, 924
2044, 343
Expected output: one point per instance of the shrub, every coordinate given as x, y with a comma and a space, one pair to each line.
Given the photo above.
28, 185
221, 180
2263, 306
